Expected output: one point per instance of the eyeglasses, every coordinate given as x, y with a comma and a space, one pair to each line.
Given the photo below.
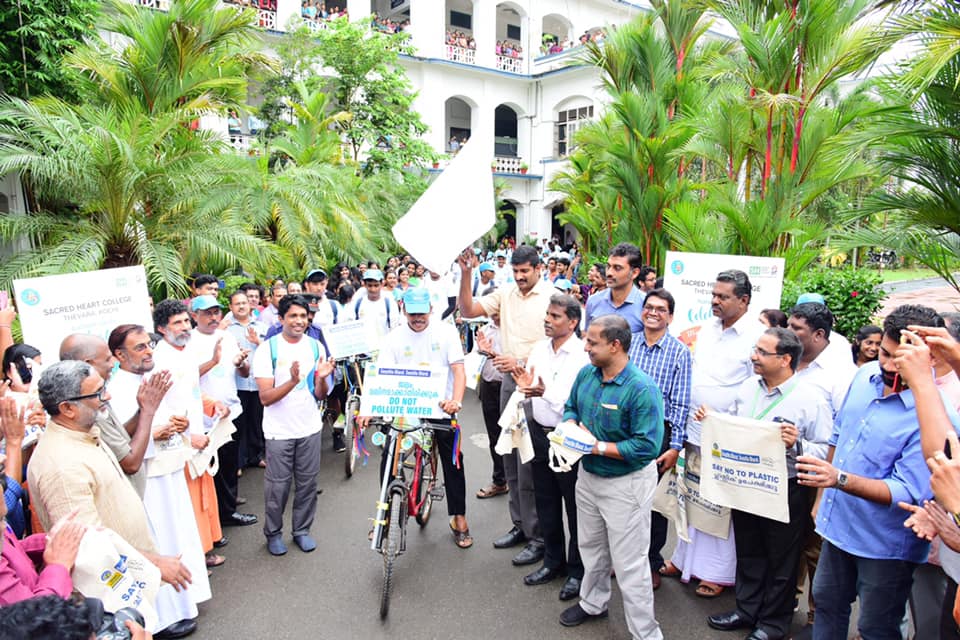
98, 394
658, 311
763, 353
142, 346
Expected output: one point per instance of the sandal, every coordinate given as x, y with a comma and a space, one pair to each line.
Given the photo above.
668, 570
708, 590
462, 539
214, 560
492, 490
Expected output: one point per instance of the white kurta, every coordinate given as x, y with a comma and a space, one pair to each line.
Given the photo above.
170, 516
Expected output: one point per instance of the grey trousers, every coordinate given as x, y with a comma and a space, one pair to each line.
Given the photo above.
522, 496
295, 461
613, 531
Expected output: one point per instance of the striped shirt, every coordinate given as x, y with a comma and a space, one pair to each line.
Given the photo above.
626, 410
669, 363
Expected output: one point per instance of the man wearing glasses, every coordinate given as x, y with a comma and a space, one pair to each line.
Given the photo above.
668, 362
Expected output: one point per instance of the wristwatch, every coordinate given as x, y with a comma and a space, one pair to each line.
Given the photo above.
842, 478
458, 403
601, 447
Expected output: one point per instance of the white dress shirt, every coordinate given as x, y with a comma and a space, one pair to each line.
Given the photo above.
558, 369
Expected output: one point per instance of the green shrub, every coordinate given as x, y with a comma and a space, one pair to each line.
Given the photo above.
853, 295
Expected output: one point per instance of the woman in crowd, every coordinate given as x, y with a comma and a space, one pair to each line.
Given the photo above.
866, 346
773, 318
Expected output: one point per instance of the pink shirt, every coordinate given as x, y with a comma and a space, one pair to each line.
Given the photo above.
19, 579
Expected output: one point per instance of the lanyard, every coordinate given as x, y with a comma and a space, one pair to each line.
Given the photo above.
756, 399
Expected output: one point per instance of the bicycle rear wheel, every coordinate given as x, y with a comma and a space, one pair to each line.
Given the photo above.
390, 550
350, 435
428, 482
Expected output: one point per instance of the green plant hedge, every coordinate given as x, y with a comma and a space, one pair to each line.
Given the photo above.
853, 295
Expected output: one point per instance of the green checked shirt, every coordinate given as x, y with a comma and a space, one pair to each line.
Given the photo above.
627, 411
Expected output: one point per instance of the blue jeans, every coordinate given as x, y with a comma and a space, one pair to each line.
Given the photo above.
882, 586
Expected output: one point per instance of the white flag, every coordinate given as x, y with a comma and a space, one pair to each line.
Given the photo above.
452, 213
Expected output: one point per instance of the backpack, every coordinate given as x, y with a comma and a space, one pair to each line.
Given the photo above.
333, 307
316, 356
386, 304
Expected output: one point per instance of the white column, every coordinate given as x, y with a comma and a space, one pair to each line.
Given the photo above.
286, 9
485, 32
358, 9
427, 28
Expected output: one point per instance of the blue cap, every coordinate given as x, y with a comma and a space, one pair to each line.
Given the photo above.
204, 302
318, 274
810, 297
373, 274
416, 300
563, 284
500, 254
486, 266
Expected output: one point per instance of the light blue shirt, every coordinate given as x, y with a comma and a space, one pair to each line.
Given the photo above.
601, 304
877, 438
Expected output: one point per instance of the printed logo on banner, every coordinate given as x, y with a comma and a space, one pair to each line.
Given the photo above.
764, 271
121, 283
677, 266
30, 297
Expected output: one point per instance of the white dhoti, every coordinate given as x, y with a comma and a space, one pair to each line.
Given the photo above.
707, 557
174, 528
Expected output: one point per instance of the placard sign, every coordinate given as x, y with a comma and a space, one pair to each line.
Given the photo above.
94, 302
350, 338
744, 465
408, 392
690, 278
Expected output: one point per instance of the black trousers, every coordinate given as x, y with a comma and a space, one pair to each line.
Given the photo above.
225, 481
556, 493
768, 555
249, 435
490, 406
658, 524
454, 479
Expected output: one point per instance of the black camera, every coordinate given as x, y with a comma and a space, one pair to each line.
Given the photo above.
110, 626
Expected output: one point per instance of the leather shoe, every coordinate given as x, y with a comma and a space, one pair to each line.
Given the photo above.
759, 634
177, 630
222, 542
655, 579
729, 621
305, 542
237, 519
575, 615
275, 546
532, 553
510, 539
570, 589
543, 575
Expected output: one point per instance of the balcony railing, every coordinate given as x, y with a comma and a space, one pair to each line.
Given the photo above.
461, 54
508, 164
267, 19
316, 25
508, 63
163, 5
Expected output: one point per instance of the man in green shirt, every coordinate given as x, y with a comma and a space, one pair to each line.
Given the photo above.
622, 408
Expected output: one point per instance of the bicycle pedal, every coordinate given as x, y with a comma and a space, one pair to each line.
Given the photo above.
437, 493
410, 463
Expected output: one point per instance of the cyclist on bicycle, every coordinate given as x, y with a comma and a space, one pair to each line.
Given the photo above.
419, 343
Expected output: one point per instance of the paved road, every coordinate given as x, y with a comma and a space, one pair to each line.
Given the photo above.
440, 591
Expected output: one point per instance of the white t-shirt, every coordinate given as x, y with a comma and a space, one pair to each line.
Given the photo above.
375, 313
296, 415
438, 346
324, 317
220, 383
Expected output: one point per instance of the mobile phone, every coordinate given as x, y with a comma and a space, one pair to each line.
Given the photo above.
25, 371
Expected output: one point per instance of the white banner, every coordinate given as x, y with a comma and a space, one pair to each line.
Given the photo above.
94, 302
690, 277
409, 392
746, 468
350, 338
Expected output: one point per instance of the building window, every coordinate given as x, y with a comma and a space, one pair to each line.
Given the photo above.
568, 122
513, 32
461, 20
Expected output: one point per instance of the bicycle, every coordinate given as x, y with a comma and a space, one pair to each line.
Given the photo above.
408, 446
353, 377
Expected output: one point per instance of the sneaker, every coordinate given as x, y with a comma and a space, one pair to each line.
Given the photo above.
338, 443
275, 546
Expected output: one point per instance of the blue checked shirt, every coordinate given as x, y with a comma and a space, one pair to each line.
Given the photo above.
627, 411
669, 363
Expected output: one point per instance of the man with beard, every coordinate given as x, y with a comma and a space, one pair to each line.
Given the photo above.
166, 497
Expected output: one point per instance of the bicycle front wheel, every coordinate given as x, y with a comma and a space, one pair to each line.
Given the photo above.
350, 435
390, 550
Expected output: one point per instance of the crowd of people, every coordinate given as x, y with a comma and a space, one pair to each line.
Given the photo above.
317, 11
133, 433
457, 38
387, 25
554, 45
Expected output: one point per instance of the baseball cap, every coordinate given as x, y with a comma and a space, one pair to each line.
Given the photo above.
317, 275
810, 297
416, 300
500, 254
563, 284
373, 274
486, 266
204, 302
